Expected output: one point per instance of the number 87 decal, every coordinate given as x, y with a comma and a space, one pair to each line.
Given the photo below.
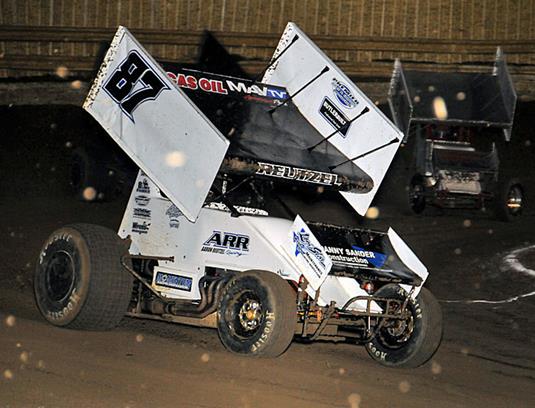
123, 84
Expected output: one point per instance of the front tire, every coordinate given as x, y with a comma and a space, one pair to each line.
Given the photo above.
257, 314
409, 342
79, 281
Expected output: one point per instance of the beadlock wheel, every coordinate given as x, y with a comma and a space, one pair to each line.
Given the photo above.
412, 339
257, 314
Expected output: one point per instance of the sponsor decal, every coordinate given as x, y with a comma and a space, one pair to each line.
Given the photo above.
140, 227
226, 86
170, 280
241, 210
173, 213
262, 100
205, 84
312, 254
375, 258
356, 255
143, 186
142, 213
133, 83
307, 254
260, 90
343, 94
142, 200
227, 243
334, 116
295, 173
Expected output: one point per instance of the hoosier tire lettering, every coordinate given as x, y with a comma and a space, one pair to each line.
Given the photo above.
265, 334
79, 281
411, 341
73, 301
381, 355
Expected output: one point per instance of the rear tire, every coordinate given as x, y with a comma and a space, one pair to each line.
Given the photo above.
257, 314
416, 195
411, 342
509, 200
79, 281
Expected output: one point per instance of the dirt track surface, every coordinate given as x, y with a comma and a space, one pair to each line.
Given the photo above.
487, 358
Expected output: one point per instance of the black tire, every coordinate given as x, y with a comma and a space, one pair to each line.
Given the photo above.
91, 180
416, 195
509, 200
79, 281
411, 342
257, 314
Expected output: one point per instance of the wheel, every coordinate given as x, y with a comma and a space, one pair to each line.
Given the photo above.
509, 200
90, 179
416, 195
409, 342
79, 281
257, 314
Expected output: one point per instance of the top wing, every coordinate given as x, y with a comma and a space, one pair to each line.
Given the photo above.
153, 121
482, 99
268, 139
332, 103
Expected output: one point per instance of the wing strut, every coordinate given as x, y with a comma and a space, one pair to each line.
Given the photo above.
323, 71
274, 60
341, 130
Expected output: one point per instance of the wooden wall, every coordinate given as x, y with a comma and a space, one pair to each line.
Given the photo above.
444, 32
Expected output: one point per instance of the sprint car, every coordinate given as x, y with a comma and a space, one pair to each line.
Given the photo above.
453, 123
204, 239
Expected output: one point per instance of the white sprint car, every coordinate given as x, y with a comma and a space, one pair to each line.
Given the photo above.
199, 242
